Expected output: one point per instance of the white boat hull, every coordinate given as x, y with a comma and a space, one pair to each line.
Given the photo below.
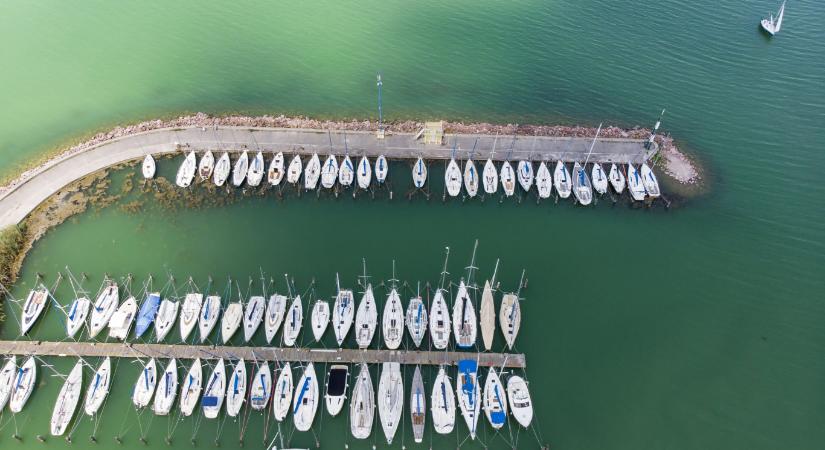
67, 400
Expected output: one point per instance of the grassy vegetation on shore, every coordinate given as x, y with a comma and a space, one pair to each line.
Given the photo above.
11, 242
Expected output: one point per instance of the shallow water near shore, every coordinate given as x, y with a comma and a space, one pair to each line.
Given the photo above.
698, 327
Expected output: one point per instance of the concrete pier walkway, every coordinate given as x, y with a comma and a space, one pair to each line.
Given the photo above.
17, 202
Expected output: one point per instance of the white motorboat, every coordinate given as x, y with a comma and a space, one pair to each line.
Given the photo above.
488, 315
24, 382
122, 320
240, 169
418, 406
256, 170
650, 181
581, 185
599, 179
209, 315
443, 403
191, 388
105, 305
320, 318
635, 185
167, 389
439, 321
189, 312
232, 317
275, 308
67, 399
76, 317
508, 179
419, 173
167, 315
145, 385
616, 178
282, 396
7, 380
525, 175
186, 171
490, 177
98, 388
36, 301
544, 181
452, 178
392, 325
562, 181
276, 170
293, 321
382, 167
465, 326
772, 24
510, 318
337, 384
390, 398
416, 320
215, 391
236, 389
149, 167
312, 172
468, 393
261, 388
364, 173
470, 178
206, 166
347, 172
295, 169
362, 405
306, 399
495, 400
329, 173
343, 314
222, 169
520, 404
253, 316
366, 319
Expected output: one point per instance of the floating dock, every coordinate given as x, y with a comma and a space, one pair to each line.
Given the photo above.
316, 355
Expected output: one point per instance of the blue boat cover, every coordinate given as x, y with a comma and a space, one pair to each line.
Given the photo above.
147, 313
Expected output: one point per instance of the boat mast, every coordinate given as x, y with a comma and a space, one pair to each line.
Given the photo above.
592, 144
444, 272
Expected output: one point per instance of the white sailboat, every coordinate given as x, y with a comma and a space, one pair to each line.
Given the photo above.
468, 393
236, 389
206, 166
382, 167
773, 24
275, 309
329, 173
599, 179
495, 400
544, 181
390, 398
465, 325
167, 315
443, 403
276, 170
306, 399
282, 395
490, 177
650, 181
419, 173
209, 315
7, 380
293, 322
364, 174
525, 174
320, 318
452, 178
417, 320
105, 305
521, 406
122, 319
98, 388
562, 181
189, 313
392, 324
508, 178
76, 317
167, 389
145, 385
336, 391
343, 313
581, 185
215, 391
312, 172
362, 405
149, 167
295, 169
488, 312
346, 174
470, 177
253, 316
232, 317
36, 301
186, 171
510, 318
439, 321
256, 170
418, 406
366, 319
240, 169
616, 178
635, 185
67, 400
24, 382
222, 169
191, 388
261, 388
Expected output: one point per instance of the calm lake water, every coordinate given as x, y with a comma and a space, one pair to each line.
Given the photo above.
699, 327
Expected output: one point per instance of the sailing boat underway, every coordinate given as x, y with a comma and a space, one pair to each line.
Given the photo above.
773, 24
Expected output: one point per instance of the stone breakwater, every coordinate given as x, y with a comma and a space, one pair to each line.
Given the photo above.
677, 165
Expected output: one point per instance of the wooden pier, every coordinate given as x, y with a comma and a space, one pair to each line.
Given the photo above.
317, 355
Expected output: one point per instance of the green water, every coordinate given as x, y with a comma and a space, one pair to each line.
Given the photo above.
699, 327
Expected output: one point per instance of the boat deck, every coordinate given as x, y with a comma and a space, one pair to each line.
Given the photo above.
182, 351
